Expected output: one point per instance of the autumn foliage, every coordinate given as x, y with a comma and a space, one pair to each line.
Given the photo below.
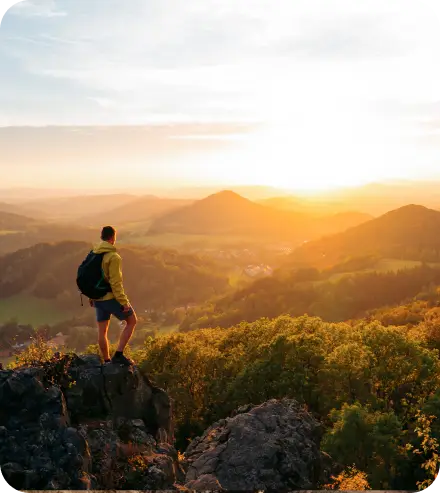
364, 381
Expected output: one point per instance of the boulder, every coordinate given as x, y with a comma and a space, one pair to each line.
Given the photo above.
73, 423
38, 449
273, 446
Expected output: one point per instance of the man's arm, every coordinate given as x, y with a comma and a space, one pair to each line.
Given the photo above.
115, 274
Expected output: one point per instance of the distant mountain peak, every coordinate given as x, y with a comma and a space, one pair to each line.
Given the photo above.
411, 210
226, 195
412, 207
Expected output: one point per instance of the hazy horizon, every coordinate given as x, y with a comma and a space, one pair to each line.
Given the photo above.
307, 97
395, 192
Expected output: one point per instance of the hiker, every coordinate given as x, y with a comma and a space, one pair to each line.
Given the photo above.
106, 294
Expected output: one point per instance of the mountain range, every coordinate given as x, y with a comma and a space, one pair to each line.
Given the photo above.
223, 213
227, 213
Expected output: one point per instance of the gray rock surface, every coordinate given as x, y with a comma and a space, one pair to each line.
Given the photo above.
38, 449
119, 391
273, 446
75, 424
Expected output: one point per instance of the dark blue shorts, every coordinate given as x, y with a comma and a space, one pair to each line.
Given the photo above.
105, 309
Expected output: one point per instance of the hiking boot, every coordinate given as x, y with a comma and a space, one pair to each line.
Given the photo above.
120, 359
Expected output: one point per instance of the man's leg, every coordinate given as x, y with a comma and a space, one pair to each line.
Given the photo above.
103, 319
127, 332
102, 339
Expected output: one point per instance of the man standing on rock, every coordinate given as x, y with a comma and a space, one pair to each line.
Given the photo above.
115, 301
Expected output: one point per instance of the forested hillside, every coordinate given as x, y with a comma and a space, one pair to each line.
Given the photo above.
410, 232
310, 291
154, 278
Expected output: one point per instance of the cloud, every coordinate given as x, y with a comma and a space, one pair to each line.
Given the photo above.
367, 38
146, 61
29, 8
227, 137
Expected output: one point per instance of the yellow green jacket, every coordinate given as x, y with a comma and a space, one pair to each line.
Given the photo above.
111, 265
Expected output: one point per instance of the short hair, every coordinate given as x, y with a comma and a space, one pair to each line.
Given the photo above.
107, 233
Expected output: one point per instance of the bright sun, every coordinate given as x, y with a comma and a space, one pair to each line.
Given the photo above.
316, 148
334, 150
298, 159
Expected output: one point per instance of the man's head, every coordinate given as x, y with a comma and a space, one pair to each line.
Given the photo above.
108, 233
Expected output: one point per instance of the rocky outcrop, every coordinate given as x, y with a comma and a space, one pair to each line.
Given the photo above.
273, 446
95, 390
73, 423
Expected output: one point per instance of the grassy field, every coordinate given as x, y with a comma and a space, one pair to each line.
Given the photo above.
30, 310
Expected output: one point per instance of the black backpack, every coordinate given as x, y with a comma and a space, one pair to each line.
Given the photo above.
90, 279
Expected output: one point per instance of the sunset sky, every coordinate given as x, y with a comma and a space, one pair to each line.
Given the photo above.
298, 94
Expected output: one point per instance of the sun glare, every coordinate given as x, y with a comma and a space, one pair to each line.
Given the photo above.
335, 152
